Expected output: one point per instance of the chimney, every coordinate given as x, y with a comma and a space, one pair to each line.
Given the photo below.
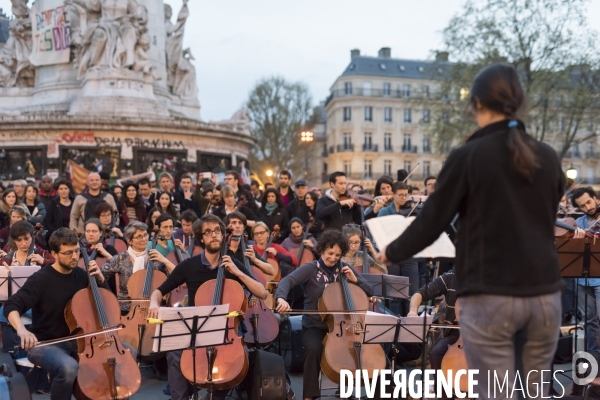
441, 56
354, 53
385, 52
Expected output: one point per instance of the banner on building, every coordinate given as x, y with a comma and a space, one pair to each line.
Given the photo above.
77, 175
51, 28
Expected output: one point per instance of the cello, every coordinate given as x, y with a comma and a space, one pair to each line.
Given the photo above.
257, 312
107, 370
342, 346
179, 294
225, 366
276, 277
140, 286
37, 231
119, 245
304, 255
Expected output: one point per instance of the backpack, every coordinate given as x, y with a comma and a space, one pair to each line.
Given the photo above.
91, 204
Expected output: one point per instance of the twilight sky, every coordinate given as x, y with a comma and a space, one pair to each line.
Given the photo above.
238, 42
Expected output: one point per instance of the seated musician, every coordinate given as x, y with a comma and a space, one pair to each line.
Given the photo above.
237, 221
15, 214
295, 237
132, 260
443, 285
105, 213
166, 224
186, 232
40, 294
194, 272
260, 234
315, 276
354, 257
21, 235
92, 240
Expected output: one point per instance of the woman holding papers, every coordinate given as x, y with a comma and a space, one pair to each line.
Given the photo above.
506, 267
315, 276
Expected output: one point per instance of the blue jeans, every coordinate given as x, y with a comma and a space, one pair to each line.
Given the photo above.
503, 334
592, 326
58, 360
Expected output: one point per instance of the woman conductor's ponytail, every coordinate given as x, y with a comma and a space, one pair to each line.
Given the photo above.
499, 89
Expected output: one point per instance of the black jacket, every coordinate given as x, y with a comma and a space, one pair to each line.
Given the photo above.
505, 241
53, 220
279, 217
293, 208
317, 227
334, 216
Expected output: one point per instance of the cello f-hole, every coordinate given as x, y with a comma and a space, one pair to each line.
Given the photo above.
341, 329
116, 342
132, 314
91, 347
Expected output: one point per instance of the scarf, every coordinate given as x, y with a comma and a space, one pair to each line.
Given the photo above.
271, 208
139, 259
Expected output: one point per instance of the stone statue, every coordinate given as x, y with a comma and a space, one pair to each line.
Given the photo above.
174, 42
239, 121
185, 77
15, 68
112, 34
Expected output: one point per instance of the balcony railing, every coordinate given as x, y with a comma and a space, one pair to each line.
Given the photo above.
388, 149
345, 147
331, 149
426, 149
371, 147
409, 149
395, 94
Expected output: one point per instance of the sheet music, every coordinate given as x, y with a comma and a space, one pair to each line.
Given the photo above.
380, 327
412, 328
19, 273
388, 228
216, 324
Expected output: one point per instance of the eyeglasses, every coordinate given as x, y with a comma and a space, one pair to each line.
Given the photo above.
141, 237
209, 233
70, 253
259, 233
402, 196
354, 243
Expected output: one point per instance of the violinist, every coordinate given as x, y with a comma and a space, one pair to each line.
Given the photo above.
335, 208
21, 234
260, 234
443, 285
194, 272
237, 222
16, 214
295, 238
92, 239
430, 182
382, 196
398, 205
40, 294
308, 211
354, 257
315, 276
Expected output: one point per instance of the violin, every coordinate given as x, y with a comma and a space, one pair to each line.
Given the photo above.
225, 366
140, 286
37, 231
179, 294
342, 346
107, 370
261, 323
564, 228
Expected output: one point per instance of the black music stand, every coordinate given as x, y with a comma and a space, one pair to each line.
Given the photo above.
185, 328
12, 278
579, 258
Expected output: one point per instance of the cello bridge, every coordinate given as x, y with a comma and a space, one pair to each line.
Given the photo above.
106, 343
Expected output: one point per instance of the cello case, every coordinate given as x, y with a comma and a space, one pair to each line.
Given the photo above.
13, 385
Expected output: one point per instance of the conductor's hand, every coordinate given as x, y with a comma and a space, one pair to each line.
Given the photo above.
282, 306
229, 266
349, 274
579, 234
28, 339
95, 271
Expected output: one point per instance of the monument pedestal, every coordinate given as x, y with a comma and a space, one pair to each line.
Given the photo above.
118, 92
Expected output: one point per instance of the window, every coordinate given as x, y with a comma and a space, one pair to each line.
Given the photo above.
347, 88
426, 144
368, 169
425, 90
426, 168
426, 116
387, 114
387, 167
347, 114
406, 144
387, 141
591, 125
368, 141
369, 114
405, 90
445, 116
407, 116
366, 88
561, 123
387, 89
347, 141
347, 168
407, 166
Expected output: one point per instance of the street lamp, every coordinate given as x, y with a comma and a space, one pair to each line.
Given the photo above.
307, 137
571, 173
269, 173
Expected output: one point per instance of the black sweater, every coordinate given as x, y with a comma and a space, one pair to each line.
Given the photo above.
47, 293
505, 240
334, 216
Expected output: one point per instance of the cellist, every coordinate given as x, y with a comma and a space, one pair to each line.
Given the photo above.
260, 234
21, 234
237, 221
194, 272
315, 276
40, 294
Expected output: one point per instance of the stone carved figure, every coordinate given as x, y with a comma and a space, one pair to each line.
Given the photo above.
185, 77
15, 68
174, 42
240, 121
110, 34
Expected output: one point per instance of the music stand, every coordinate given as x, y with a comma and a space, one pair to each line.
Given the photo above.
13, 278
185, 328
579, 258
